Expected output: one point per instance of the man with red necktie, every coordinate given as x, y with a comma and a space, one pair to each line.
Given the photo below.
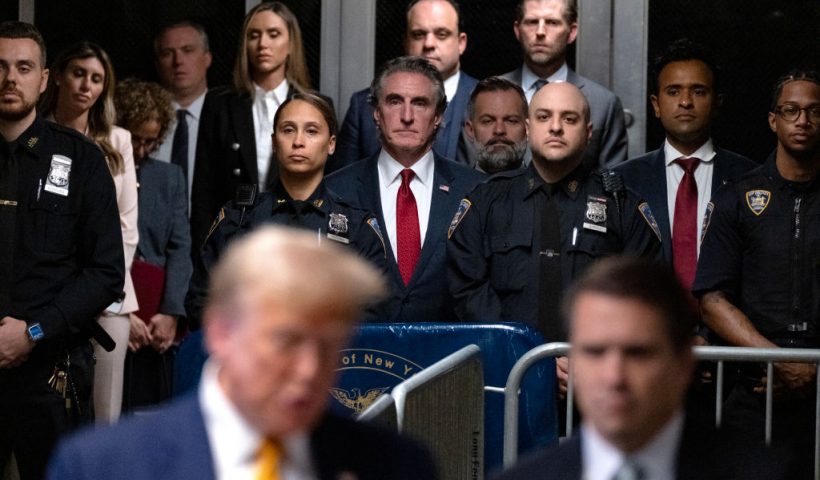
413, 191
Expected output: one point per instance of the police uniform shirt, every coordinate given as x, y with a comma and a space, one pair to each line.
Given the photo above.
494, 238
762, 249
324, 213
68, 254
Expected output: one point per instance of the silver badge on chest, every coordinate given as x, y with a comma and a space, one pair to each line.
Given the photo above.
595, 216
58, 175
337, 228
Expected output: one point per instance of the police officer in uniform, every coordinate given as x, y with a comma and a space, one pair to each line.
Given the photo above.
759, 272
61, 259
517, 240
304, 134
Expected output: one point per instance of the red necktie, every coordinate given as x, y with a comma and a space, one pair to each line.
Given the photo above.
408, 238
685, 228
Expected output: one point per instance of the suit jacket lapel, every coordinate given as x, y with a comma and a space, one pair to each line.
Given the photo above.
242, 113
720, 171
656, 195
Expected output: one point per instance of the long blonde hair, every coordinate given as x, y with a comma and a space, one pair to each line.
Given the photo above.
296, 71
102, 115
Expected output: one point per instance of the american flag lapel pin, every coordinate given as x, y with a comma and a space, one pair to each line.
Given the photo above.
444, 188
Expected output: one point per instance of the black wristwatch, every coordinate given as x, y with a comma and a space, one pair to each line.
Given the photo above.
35, 332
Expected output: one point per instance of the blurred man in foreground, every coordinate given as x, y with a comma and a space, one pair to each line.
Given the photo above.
275, 321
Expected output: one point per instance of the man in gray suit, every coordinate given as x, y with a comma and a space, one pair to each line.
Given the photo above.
545, 28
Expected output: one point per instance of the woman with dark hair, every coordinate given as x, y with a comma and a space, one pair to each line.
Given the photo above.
304, 135
234, 145
80, 95
164, 250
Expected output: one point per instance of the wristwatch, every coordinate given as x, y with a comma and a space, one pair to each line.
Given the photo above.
35, 332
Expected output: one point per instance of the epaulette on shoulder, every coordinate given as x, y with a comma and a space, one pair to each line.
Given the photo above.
74, 134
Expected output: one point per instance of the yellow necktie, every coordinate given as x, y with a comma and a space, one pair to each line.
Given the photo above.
267, 460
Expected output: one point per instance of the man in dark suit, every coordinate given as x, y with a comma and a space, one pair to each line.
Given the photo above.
686, 99
260, 409
545, 28
435, 32
413, 191
630, 328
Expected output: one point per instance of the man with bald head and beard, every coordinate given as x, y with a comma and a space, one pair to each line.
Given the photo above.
497, 125
518, 239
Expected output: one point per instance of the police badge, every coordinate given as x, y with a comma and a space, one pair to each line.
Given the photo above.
758, 200
58, 175
337, 228
595, 214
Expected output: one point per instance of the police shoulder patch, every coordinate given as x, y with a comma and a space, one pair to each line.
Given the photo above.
707, 218
647, 215
219, 217
758, 200
462, 210
374, 224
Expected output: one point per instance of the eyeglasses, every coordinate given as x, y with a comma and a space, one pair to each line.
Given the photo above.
149, 144
791, 113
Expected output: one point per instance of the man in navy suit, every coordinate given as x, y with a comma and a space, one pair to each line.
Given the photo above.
545, 28
413, 191
261, 405
631, 333
435, 32
686, 99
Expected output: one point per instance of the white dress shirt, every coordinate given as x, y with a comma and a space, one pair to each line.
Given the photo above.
451, 85
421, 186
234, 442
163, 153
528, 79
703, 177
600, 460
265, 105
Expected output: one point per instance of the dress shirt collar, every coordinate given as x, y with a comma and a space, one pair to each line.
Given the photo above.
390, 169
233, 441
658, 459
451, 85
278, 94
528, 78
195, 108
706, 152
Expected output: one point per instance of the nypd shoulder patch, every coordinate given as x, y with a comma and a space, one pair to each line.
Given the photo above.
707, 219
758, 200
647, 215
374, 224
462, 210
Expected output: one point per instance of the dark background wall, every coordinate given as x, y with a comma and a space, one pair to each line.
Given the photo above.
754, 41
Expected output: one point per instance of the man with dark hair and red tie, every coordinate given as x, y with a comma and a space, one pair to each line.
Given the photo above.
413, 191
679, 178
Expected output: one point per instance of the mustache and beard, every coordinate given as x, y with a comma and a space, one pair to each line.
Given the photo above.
14, 112
500, 154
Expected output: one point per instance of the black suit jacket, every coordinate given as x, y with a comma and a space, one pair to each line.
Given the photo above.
425, 298
359, 137
647, 176
172, 444
704, 454
225, 156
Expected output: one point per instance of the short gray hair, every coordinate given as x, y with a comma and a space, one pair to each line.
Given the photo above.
410, 64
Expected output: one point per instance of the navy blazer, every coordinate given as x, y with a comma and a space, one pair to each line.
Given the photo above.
165, 238
704, 453
172, 444
426, 297
608, 144
647, 176
359, 137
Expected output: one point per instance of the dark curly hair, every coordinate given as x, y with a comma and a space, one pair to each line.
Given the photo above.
138, 102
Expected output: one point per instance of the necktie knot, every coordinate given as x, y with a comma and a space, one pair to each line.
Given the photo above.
689, 165
181, 115
539, 83
268, 459
407, 176
629, 470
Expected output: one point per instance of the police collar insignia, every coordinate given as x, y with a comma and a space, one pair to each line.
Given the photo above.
646, 212
58, 175
337, 227
595, 216
572, 186
463, 207
318, 203
758, 200
32, 142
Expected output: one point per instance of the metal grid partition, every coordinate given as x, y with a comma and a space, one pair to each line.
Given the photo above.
714, 354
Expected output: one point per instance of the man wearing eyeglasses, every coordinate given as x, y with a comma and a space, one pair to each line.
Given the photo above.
758, 275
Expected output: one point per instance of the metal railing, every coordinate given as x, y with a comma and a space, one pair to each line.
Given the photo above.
769, 356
